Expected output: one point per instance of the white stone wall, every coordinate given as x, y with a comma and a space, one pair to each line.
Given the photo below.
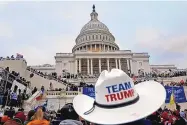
65, 64
15, 65
146, 66
140, 61
46, 70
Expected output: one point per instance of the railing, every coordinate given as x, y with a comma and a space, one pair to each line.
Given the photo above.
140, 54
64, 54
104, 52
58, 94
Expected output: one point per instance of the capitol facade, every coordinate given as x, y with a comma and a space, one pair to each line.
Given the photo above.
95, 50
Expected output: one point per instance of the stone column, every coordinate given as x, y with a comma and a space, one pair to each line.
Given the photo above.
95, 46
116, 63
104, 48
91, 67
88, 66
128, 64
108, 47
119, 63
91, 48
99, 65
79, 65
108, 67
75, 66
131, 66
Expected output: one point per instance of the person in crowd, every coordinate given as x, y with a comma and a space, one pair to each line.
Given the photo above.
69, 116
183, 115
34, 90
14, 97
9, 112
20, 99
185, 111
38, 118
4, 119
51, 86
18, 119
179, 120
29, 116
5, 98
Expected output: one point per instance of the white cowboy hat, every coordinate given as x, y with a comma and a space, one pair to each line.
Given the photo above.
118, 101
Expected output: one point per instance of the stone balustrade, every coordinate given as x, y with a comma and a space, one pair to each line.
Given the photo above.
64, 54
62, 94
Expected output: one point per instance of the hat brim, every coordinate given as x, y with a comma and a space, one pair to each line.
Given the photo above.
152, 95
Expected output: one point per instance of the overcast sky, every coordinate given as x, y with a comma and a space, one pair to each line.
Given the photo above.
38, 30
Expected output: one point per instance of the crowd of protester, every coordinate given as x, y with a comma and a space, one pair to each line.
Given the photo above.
70, 87
18, 57
67, 116
167, 74
15, 97
181, 83
13, 75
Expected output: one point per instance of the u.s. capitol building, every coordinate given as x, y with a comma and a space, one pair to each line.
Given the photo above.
95, 50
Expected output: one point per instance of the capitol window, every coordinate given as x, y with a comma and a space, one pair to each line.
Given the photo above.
96, 37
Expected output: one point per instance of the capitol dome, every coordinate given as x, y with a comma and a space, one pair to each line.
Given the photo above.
95, 33
94, 24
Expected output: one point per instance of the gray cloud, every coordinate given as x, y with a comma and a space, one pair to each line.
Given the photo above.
161, 43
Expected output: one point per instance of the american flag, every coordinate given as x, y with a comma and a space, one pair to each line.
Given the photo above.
19, 55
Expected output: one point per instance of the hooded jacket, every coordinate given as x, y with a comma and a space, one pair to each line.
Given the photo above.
70, 122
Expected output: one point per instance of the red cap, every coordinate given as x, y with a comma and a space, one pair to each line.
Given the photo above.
164, 115
20, 116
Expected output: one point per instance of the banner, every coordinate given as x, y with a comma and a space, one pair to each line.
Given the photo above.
89, 91
179, 94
